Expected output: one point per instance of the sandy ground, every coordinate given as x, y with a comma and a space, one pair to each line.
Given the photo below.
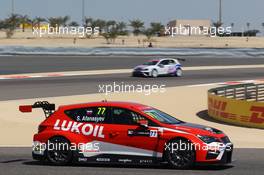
28, 39
17, 128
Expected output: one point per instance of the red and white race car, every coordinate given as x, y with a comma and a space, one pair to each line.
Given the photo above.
125, 133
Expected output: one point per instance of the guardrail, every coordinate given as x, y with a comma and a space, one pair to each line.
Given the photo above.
249, 92
238, 104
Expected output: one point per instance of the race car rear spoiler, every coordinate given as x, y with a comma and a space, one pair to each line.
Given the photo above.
47, 107
181, 59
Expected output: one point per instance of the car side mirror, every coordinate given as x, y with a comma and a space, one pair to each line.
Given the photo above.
143, 123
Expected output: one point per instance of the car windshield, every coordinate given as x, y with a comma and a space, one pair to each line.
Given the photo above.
162, 117
151, 63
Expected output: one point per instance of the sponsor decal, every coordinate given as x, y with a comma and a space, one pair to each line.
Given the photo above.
125, 160
147, 133
82, 159
145, 161
219, 108
85, 129
257, 115
103, 159
172, 69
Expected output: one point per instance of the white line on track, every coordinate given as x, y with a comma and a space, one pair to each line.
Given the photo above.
206, 84
227, 83
224, 67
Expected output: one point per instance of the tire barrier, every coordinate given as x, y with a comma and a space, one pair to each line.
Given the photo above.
241, 105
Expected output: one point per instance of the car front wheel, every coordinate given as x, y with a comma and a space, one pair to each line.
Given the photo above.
180, 154
154, 73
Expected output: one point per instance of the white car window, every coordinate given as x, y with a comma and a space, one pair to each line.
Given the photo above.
164, 62
172, 62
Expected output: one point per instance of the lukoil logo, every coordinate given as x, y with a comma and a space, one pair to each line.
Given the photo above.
85, 129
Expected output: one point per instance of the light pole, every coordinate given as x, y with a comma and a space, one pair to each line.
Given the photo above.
220, 12
263, 28
13, 7
83, 12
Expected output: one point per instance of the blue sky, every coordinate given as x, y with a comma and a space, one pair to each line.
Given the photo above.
238, 11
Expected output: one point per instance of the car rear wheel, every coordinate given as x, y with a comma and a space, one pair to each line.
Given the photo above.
178, 73
180, 154
59, 152
154, 73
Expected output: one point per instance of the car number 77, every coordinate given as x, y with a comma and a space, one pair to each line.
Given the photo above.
101, 111
153, 133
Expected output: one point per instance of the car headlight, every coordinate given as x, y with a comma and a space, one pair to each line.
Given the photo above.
208, 139
145, 69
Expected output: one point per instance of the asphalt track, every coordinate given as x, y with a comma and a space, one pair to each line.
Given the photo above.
78, 85
35, 64
18, 161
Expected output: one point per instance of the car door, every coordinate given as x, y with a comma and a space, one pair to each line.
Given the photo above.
92, 124
171, 66
163, 67
131, 140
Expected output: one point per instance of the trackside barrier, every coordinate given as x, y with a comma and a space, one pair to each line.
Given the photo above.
238, 104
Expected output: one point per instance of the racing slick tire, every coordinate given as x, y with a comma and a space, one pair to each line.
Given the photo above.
179, 156
60, 154
178, 73
154, 73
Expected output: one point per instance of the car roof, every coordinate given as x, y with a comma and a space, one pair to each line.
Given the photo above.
128, 105
160, 59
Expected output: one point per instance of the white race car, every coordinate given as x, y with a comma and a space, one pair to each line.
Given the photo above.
157, 67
